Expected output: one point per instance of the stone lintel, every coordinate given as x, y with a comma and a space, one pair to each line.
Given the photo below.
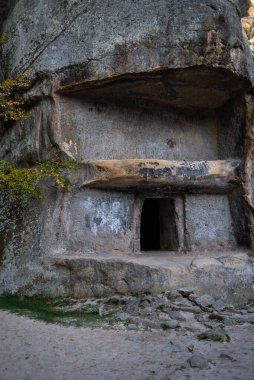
152, 174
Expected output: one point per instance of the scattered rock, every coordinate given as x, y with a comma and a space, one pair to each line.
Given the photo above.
206, 263
213, 324
230, 308
118, 300
156, 312
170, 324
185, 303
198, 361
204, 301
190, 348
164, 317
192, 309
132, 307
132, 338
250, 309
185, 292
148, 311
215, 335
216, 316
219, 305
202, 318
123, 317
229, 321
172, 295
226, 356
235, 319
132, 326
177, 315
148, 323
247, 318
233, 262
192, 297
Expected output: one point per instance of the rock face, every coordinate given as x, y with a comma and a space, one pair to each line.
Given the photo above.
157, 103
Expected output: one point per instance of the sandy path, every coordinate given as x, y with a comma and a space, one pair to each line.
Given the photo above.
32, 350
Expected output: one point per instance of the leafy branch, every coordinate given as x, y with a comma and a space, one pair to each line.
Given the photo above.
11, 106
22, 184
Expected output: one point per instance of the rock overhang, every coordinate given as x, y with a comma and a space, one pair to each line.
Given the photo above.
190, 87
99, 41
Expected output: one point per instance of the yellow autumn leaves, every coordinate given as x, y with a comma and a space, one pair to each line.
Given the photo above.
251, 9
22, 184
11, 106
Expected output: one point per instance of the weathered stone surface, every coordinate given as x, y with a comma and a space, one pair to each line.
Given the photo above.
170, 324
185, 292
205, 263
198, 361
204, 301
115, 83
113, 45
177, 315
215, 335
233, 262
219, 305
141, 175
100, 277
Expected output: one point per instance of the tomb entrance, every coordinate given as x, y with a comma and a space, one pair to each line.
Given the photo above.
157, 225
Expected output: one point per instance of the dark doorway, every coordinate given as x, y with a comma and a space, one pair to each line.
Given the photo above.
150, 226
158, 230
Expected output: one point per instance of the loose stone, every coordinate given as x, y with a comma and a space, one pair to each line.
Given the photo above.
233, 262
123, 317
219, 305
169, 324
204, 301
198, 361
216, 335
213, 324
185, 292
177, 315
205, 263
185, 303
164, 317
226, 356
132, 326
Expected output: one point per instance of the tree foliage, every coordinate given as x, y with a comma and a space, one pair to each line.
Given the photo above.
22, 184
11, 106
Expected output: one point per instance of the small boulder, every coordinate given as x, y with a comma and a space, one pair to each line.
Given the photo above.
185, 292
185, 303
215, 335
198, 361
219, 305
123, 317
177, 315
204, 301
170, 324
206, 263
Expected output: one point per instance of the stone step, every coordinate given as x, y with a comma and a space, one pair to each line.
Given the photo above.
225, 275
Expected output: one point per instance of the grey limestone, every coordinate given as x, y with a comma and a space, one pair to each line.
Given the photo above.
131, 80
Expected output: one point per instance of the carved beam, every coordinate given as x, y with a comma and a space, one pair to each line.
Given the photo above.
156, 175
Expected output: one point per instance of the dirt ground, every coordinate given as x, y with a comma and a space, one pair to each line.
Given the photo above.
33, 350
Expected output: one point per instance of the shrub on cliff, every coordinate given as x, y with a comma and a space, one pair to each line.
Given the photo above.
22, 184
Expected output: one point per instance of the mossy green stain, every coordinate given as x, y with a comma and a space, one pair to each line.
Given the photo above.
52, 311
